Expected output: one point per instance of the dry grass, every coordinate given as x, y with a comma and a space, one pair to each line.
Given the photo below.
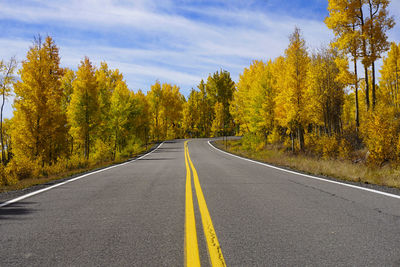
25, 183
341, 169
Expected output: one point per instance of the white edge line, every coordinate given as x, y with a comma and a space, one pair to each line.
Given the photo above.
308, 176
73, 179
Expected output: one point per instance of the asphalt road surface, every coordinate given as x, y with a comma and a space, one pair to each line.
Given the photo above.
239, 213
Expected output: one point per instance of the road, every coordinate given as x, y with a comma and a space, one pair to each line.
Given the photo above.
134, 215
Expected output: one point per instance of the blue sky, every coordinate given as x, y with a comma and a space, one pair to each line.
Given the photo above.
176, 41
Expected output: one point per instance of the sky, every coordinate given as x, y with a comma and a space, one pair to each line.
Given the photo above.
174, 41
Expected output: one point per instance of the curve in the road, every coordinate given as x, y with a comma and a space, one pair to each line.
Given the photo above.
306, 175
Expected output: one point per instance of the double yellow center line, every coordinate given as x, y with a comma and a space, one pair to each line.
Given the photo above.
192, 257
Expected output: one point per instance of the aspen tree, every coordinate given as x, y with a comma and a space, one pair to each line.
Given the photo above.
120, 108
376, 26
83, 111
220, 88
291, 102
390, 77
348, 37
39, 121
143, 121
6, 80
155, 98
107, 81
171, 111
206, 110
325, 92
191, 115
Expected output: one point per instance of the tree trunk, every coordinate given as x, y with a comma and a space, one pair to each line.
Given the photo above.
366, 87
364, 49
397, 85
3, 154
292, 138
301, 137
373, 86
356, 94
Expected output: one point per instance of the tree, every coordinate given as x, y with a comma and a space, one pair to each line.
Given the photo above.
67, 89
343, 20
390, 74
218, 124
253, 102
83, 111
107, 81
171, 111
6, 80
120, 119
206, 110
376, 26
291, 101
325, 92
39, 123
191, 115
143, 121
220, 88
155, 98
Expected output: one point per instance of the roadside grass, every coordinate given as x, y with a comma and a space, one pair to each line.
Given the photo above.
43, 179
388, 175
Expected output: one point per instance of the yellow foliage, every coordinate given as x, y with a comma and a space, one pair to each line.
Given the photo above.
345, 149
23, 168
83, 111
330, 147
102, 151
39, 120
76, 161
253, 103
380, 135
218, 123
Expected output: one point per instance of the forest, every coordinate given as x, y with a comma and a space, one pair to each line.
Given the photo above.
329, 103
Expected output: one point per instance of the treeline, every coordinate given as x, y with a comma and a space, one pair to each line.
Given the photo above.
316, 103
65, 119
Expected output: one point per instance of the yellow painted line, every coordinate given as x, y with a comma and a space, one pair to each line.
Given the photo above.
192, 257
214, 249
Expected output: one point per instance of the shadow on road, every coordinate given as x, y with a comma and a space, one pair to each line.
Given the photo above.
16, 211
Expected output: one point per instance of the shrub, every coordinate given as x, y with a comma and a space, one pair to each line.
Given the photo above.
330, 147
345, 149
56, 168
380, 136
23, 168
312, 144
76, 161
102, 151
